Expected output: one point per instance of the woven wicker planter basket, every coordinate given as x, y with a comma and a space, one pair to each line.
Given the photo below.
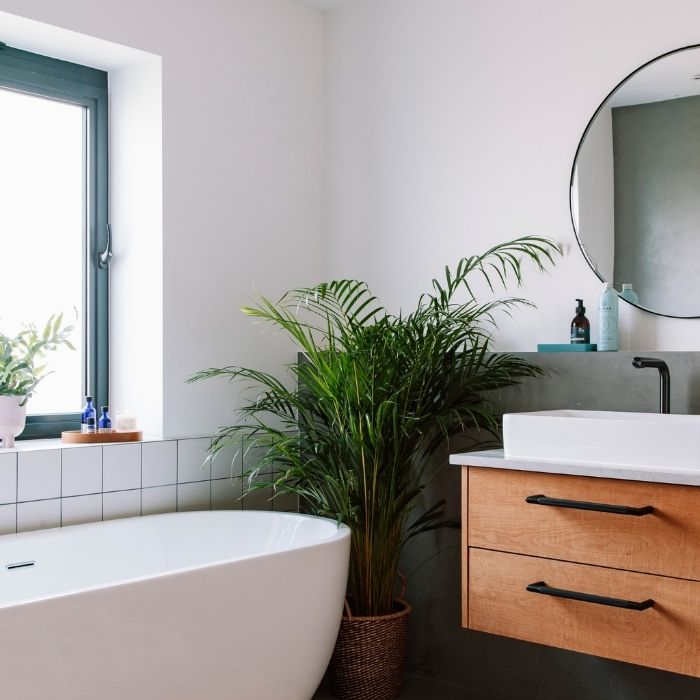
369, 654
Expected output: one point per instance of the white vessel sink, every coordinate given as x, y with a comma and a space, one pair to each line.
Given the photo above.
604, 437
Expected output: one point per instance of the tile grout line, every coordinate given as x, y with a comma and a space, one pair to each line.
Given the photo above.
207, 479
60, 494
141, 482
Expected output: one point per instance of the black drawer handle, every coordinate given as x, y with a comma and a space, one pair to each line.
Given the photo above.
544, 589
541, 500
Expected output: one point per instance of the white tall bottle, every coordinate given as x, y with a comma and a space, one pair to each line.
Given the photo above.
607, 319
629, 293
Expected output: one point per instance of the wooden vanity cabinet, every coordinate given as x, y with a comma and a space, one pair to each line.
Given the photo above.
525, 529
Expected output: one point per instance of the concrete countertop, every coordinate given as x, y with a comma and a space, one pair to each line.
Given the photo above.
496, 459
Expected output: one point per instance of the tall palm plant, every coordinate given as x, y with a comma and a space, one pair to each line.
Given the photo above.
372, 399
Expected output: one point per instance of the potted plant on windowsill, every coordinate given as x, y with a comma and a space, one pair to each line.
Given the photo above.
374, 397
22, 367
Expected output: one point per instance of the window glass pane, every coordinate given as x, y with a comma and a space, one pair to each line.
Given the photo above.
42, 221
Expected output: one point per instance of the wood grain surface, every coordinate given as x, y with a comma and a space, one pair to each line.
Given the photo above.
465, 544
666, 636
76, 437
666, 542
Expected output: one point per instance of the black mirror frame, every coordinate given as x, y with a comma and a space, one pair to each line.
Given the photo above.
582, 248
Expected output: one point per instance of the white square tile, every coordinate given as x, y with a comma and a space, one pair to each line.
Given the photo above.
38, 475
192, 462
38, 515
8, 477
160, 499
225, 494
121, 467
81, 471
194, 496
227, 462
121, 504
81, 509
8, 519
159, 463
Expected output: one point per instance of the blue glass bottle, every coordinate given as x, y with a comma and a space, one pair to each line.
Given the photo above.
86, 425
104, 425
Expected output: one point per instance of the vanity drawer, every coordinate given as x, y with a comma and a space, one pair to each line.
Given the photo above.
663, 542
665, 636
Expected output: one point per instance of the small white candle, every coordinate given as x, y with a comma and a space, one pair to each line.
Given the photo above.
126, 422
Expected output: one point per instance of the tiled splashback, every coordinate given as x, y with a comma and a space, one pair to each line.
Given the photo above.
42, 488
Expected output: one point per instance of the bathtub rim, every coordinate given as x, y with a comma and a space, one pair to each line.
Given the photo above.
341, 533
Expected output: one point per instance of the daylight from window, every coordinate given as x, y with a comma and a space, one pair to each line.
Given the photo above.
42, 205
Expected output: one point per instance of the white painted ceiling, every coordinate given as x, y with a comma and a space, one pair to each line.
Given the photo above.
326, 4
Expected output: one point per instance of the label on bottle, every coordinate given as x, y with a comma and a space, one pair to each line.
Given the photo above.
579, 335
607, 329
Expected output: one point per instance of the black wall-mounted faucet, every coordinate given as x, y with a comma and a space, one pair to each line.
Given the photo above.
664, 379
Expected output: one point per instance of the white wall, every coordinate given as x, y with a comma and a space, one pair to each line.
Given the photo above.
242, 132
453, 125
136, 213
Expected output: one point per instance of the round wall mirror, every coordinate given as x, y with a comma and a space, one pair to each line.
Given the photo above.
635, 185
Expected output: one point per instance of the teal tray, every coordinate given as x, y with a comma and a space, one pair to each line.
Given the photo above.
566, 347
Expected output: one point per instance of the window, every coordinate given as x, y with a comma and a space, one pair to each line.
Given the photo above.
54, 224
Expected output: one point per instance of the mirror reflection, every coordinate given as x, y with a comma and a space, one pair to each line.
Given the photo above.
635, 186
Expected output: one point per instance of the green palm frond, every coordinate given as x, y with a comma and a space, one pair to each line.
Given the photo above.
373, 399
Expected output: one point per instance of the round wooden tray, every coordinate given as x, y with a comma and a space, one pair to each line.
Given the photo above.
76, 437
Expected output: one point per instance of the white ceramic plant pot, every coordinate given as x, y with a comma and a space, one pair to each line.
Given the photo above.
12, 419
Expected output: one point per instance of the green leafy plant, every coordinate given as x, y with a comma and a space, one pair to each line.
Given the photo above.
21, 356
373, 398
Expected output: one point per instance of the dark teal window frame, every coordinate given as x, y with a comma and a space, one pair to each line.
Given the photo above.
69, 82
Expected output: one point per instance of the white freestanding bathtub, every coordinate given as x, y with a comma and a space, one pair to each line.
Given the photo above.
242, 605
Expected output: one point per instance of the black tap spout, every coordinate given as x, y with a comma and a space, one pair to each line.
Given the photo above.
664, 379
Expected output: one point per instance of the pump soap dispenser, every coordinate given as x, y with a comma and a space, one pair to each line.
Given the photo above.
580, 326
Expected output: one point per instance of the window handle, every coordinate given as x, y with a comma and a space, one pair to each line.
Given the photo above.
105, 257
